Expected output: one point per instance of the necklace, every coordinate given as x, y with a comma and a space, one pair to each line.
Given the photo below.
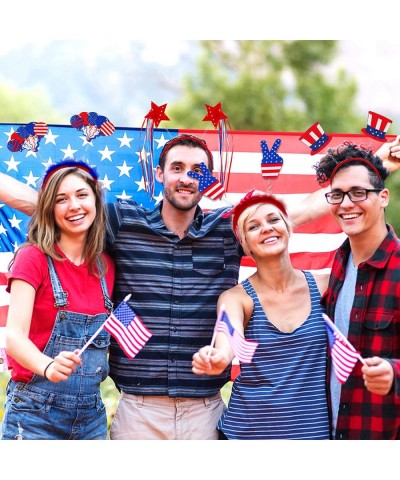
76, 260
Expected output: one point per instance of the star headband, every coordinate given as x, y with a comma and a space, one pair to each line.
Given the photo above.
68, 164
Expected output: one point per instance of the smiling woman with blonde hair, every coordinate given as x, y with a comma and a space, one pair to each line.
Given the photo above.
281, 394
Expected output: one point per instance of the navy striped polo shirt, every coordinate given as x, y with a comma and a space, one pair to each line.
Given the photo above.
174, 285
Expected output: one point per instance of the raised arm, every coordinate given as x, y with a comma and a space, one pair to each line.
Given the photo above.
310, 208
17, 195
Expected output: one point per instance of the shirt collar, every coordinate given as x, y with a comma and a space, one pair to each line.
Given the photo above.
382, 254
158, 224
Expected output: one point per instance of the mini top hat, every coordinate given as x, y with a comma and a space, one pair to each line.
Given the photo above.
315, 138
377, 126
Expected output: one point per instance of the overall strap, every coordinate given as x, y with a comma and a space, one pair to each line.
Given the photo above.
107, 301
60, 297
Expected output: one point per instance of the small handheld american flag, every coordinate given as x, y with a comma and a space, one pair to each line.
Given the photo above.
127, 329
242, 348
344, 355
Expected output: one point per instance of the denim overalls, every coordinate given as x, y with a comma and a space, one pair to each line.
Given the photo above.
69, 410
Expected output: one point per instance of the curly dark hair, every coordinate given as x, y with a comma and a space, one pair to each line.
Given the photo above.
328, 163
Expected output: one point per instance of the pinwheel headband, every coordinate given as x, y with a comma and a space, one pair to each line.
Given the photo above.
247, 201
68, 164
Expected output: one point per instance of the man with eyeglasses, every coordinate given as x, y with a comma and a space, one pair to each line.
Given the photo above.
363, 296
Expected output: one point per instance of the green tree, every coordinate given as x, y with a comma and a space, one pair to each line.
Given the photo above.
274, 85
392, 210
26, 106
269, 85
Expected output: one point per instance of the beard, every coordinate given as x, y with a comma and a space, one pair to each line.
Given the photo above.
182, 203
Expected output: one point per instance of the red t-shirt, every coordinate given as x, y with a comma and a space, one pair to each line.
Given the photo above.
84, 294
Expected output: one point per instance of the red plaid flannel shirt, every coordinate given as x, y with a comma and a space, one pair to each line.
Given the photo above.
374, 330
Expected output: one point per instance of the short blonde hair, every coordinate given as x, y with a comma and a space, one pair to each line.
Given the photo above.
247, 213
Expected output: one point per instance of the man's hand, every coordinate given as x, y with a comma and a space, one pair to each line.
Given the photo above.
378, 375
389, 152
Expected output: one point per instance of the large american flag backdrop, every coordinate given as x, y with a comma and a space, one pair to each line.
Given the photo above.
117, 158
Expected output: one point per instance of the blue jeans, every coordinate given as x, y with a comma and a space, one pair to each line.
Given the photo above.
36, 414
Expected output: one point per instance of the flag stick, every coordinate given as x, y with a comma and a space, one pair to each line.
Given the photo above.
334, 327
90, 340
221, 311
97, 332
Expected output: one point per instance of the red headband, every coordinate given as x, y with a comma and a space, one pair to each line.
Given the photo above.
201, 143
247, 201
354, 159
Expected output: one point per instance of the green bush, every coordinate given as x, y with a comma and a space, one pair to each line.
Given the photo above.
4, 377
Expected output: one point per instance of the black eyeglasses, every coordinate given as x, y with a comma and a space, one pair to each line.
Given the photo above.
355, 195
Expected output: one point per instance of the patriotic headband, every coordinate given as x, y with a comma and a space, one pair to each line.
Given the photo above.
184, 136
354, 159
247, 201
68, 164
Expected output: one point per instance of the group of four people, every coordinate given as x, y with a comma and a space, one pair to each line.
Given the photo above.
178, 263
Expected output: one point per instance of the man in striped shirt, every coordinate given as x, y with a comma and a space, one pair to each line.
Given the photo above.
363, 296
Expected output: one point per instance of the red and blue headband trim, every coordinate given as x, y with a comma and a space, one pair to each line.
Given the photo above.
68, 164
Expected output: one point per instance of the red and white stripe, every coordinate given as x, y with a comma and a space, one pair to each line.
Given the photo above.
271, 170
214, 191
343, 358
132, 338
40, 129
107, 128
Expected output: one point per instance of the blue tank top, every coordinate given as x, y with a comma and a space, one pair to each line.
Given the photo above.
282, 393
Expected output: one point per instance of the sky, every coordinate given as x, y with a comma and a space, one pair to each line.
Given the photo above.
375, 63
372, 61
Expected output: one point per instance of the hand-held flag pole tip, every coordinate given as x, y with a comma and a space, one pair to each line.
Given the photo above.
220, 313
